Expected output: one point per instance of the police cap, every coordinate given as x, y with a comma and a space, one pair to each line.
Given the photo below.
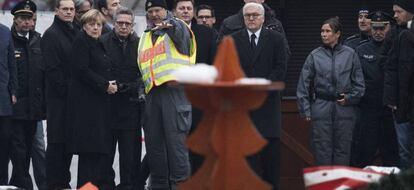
380, 19
24, 8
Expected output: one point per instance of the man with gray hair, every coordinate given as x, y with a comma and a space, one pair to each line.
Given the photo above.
235, 22
265, 56
121, 45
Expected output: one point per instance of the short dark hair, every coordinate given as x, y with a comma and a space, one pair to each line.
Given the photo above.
335, 25
101, 4
177, 1
58, 2
204, 6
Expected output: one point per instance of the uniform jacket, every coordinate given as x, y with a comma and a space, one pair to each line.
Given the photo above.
356, 39
8, 78
88, 108
123, 55
31, 77
268, 61
405, 109
331, 72
373, 69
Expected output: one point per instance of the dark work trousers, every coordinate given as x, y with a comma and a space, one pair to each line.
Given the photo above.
22, 134
58, 166
266, 163
332, 128
377, 134
4, 149
167, 122
129, 147
95, 168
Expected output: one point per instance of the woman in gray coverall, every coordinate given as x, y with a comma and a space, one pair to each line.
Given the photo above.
330, 85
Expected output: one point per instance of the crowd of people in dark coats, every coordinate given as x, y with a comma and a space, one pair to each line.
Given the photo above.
82, 77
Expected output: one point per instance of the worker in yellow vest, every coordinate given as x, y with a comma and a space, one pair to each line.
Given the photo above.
167, 45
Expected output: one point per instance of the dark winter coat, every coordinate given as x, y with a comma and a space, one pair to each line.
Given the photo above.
390, 52
406, 76
31, 77
88, 108
8, 75
268, 61
56, 45
123, 55
206, 40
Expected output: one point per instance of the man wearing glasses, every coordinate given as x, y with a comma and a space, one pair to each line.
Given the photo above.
235, 22
121, 45
205, 16
56, 45
262, 53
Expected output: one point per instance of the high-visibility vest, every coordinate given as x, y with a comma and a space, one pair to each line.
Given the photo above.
157, 61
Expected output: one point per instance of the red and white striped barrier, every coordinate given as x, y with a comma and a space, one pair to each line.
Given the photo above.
338, 177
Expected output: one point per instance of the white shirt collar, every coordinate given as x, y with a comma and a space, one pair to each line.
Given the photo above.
21, 35
257, 33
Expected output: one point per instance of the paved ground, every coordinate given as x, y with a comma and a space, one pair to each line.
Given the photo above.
74, 166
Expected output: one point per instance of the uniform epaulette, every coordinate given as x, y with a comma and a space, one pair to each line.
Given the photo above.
352, 37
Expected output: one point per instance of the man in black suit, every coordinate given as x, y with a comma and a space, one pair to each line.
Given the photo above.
205, 36
206, 40
262, 53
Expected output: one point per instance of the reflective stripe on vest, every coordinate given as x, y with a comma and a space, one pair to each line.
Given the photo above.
156, 62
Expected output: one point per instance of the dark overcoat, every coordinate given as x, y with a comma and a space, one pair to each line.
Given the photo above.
88, 106
56, 45
125, 104
268, 61
206, 43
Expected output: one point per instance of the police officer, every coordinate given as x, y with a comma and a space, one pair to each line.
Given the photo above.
364, 30
376, 128
30, 107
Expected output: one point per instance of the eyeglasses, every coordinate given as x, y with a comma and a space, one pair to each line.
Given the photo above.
204, 17
254, 16
126, 24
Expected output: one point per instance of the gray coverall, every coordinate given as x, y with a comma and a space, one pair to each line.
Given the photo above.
326, 74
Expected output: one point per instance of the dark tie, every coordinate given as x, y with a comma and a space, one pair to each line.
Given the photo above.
253, 41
